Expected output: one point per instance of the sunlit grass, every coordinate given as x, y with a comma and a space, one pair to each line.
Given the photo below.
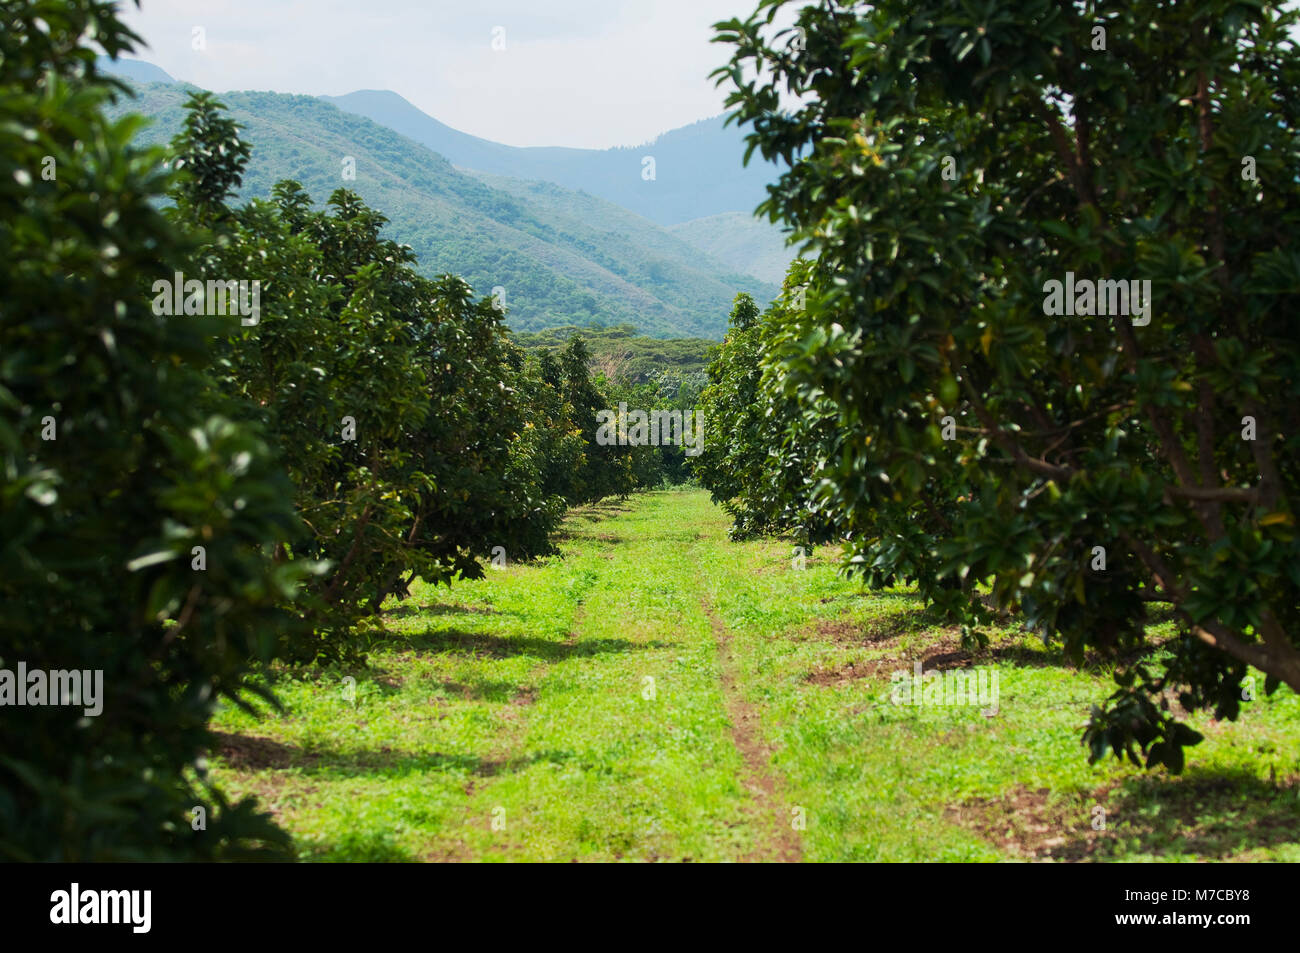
514, 718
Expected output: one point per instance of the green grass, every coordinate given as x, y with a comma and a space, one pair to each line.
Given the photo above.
512, 718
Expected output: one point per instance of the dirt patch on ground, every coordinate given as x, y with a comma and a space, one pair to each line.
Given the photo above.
251, 753
839, 630
771, 814
871, 668
945, 654
575, 627
1219, 818
941, 655
516, 707
1032, 825
388, 679
881, 632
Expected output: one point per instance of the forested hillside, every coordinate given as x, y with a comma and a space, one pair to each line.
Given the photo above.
697, 168
733, 242
740, 241
605, 266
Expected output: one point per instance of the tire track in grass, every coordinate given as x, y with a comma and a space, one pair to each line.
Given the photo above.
771, 813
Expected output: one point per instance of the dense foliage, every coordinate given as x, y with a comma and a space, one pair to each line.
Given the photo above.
1081, 460
405, 413
229, 433
764, 451
621, 353
136, 527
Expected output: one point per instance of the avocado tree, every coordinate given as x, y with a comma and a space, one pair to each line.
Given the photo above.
606, 468
328, 366
1059, 312
395, 399
764, 450
481, 442
137, 527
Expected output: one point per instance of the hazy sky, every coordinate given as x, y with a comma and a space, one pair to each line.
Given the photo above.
593, 73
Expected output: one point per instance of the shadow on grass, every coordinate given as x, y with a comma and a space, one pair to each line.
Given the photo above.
885, 627
362, 847
503, 646
581, 517
1018, 655
1212, 815
943, 656
903, 622
405, 610
490, 690
609, 505
936, 641
377, 681
249, 753
900, 595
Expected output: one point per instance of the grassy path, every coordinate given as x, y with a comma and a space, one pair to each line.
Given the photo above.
660, 693
775, 839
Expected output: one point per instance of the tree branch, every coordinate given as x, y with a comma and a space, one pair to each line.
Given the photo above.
1277, 657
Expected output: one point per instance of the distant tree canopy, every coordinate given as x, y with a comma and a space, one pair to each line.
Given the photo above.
623, 354
763, 453
989, 193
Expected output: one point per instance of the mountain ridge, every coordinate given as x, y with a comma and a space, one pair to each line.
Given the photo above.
697, 170
138, 71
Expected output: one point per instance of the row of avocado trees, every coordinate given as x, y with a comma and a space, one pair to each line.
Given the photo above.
1045, 358
187, 494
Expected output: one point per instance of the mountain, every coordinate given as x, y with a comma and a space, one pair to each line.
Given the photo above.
622, 233
136, 71
562, 257
698, 168
739, 240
